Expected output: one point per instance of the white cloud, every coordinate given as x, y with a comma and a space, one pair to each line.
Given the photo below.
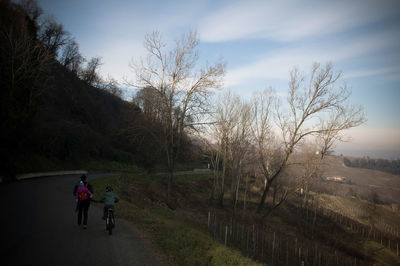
116, 58
277, 63
291, 20
385, 71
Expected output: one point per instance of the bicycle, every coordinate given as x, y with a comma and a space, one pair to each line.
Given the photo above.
110, 220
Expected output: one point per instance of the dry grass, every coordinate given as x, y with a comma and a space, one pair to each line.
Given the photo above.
191, 204
364, 181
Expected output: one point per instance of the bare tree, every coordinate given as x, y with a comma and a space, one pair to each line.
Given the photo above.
239, 146
231, 131
90, 73
225, 117
149, 102
71, 57
31, 8
330, 133
214, 158
113, 86
52, 35
181, 89
268, 149
316, 109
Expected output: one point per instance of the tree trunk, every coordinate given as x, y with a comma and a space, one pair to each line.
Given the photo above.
264, 196
270, 180
169, 186
245, 193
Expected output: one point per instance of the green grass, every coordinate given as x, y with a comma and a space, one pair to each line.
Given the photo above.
43, 164
186, 242
187, 166
112, 166
192, 178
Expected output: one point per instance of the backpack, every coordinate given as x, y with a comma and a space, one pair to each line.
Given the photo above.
83, 195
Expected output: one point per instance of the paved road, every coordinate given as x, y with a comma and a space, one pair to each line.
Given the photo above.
39, 227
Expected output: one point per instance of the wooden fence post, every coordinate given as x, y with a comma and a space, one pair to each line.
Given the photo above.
336, 259
287, 251
273, 247
215, 225
247, 243
254, 241
231, 225
226, 234
316, 255
242, 238
236, 232
299, 254
262, 246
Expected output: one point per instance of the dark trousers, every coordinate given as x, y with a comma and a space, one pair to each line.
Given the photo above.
83, 206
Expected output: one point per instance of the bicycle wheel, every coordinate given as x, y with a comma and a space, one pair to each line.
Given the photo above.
109, 224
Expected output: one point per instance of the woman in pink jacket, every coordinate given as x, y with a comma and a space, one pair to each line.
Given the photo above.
82, 197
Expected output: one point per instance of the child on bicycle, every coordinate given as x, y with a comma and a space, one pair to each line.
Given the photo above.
109, 198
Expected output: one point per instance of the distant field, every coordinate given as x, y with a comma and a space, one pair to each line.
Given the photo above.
364, 181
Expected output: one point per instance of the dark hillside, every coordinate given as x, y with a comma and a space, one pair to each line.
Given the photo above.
75, 120
78, 105
51, 118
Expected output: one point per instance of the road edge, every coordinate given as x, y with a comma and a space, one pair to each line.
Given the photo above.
54, 173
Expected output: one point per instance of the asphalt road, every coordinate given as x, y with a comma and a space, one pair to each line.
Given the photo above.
39, 227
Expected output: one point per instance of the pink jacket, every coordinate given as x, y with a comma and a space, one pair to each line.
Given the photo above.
82, 189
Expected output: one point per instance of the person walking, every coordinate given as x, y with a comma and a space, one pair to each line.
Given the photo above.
83, 193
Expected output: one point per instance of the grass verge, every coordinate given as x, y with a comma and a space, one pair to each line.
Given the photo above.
44, 164
184, 241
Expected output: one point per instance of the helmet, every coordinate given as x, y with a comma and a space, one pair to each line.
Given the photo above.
109, 189
83, 178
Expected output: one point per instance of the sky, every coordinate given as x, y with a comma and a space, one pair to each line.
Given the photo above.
261, 41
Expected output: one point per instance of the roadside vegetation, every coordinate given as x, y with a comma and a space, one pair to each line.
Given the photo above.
182, 240
183, 232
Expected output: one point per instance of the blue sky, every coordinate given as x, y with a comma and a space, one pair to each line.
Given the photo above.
261, 41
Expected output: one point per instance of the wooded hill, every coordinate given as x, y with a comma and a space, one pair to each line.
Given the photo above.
51, 116
389, 166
